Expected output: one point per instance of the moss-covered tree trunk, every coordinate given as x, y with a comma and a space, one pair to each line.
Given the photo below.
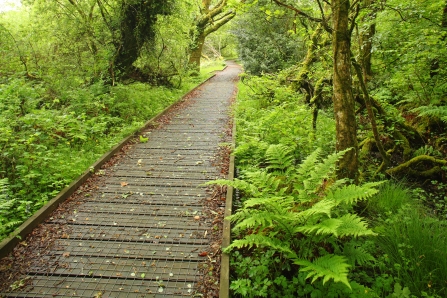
196, 51
366, 45
211, 18
344, 109
136, 27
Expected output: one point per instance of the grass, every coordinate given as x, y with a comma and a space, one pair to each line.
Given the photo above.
415, 246
391, 197
211, 66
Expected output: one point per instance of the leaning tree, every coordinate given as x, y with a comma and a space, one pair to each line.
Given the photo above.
211, 17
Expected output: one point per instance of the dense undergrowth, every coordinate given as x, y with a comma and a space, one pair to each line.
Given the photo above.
300, 232
51, 132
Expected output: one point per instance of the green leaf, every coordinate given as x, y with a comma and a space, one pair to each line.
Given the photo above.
327, 267
143, 139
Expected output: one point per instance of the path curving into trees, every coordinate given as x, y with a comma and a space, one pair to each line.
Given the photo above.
139, 229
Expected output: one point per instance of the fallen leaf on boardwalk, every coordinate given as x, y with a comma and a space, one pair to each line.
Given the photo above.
123, 184
66, 254
203, 254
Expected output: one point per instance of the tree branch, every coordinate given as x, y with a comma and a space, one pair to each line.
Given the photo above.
421, 158
219, 24
324, 21
299, 12
372, 117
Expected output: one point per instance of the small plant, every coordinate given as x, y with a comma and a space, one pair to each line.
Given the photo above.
303, 214
416, 248
390, 198
8, 219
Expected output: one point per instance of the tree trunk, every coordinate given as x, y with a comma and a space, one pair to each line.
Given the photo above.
136, 28
344, 109
366, 50
211, 18
196, 52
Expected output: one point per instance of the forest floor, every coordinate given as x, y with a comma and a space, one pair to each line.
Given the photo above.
145, 225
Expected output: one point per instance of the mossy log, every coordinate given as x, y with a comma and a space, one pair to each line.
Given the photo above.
406, 169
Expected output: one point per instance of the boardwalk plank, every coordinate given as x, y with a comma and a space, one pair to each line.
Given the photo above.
142, 232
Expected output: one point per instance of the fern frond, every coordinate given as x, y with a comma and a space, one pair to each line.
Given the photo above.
327, 267
350, 194
356, 254
308, 164
325, 168
262, 241
279, 158
352, 225
323, 207
261, 220
439, 112
3, 188
326, 227
5, 206
266, 183
11, 224
5, 202
318, 173
337, 184
277, 203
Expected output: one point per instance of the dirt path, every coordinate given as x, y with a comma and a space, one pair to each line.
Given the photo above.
139, 227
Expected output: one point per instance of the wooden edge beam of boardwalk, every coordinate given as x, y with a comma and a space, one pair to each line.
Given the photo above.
141, 226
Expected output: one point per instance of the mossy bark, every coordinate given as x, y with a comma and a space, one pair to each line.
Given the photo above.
407, 168
137, 27
371, 115
211, 19
344, 107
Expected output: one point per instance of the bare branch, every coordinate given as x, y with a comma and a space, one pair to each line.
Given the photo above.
396, 10
325, 24
298, 11
357, 11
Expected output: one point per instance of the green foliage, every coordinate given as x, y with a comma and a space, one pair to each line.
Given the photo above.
268, 113
414, 247
43, 123
305, 217
436, 112
267, 31
391, 197
8, 218
412, 69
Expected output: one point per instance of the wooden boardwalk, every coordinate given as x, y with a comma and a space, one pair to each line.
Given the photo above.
140, 234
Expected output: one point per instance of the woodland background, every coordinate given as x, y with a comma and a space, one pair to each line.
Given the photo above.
341, 116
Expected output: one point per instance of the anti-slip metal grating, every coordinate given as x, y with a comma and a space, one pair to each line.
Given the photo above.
139, 235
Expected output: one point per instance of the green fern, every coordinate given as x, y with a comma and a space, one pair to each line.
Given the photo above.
266, 183
325, 227
439, 112
279, 158
353, 225
351, 194
327, 267
296, 211
356, 254
7, 221
5, 204
261, 241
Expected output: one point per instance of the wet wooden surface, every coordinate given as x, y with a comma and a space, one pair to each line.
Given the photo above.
140, 234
